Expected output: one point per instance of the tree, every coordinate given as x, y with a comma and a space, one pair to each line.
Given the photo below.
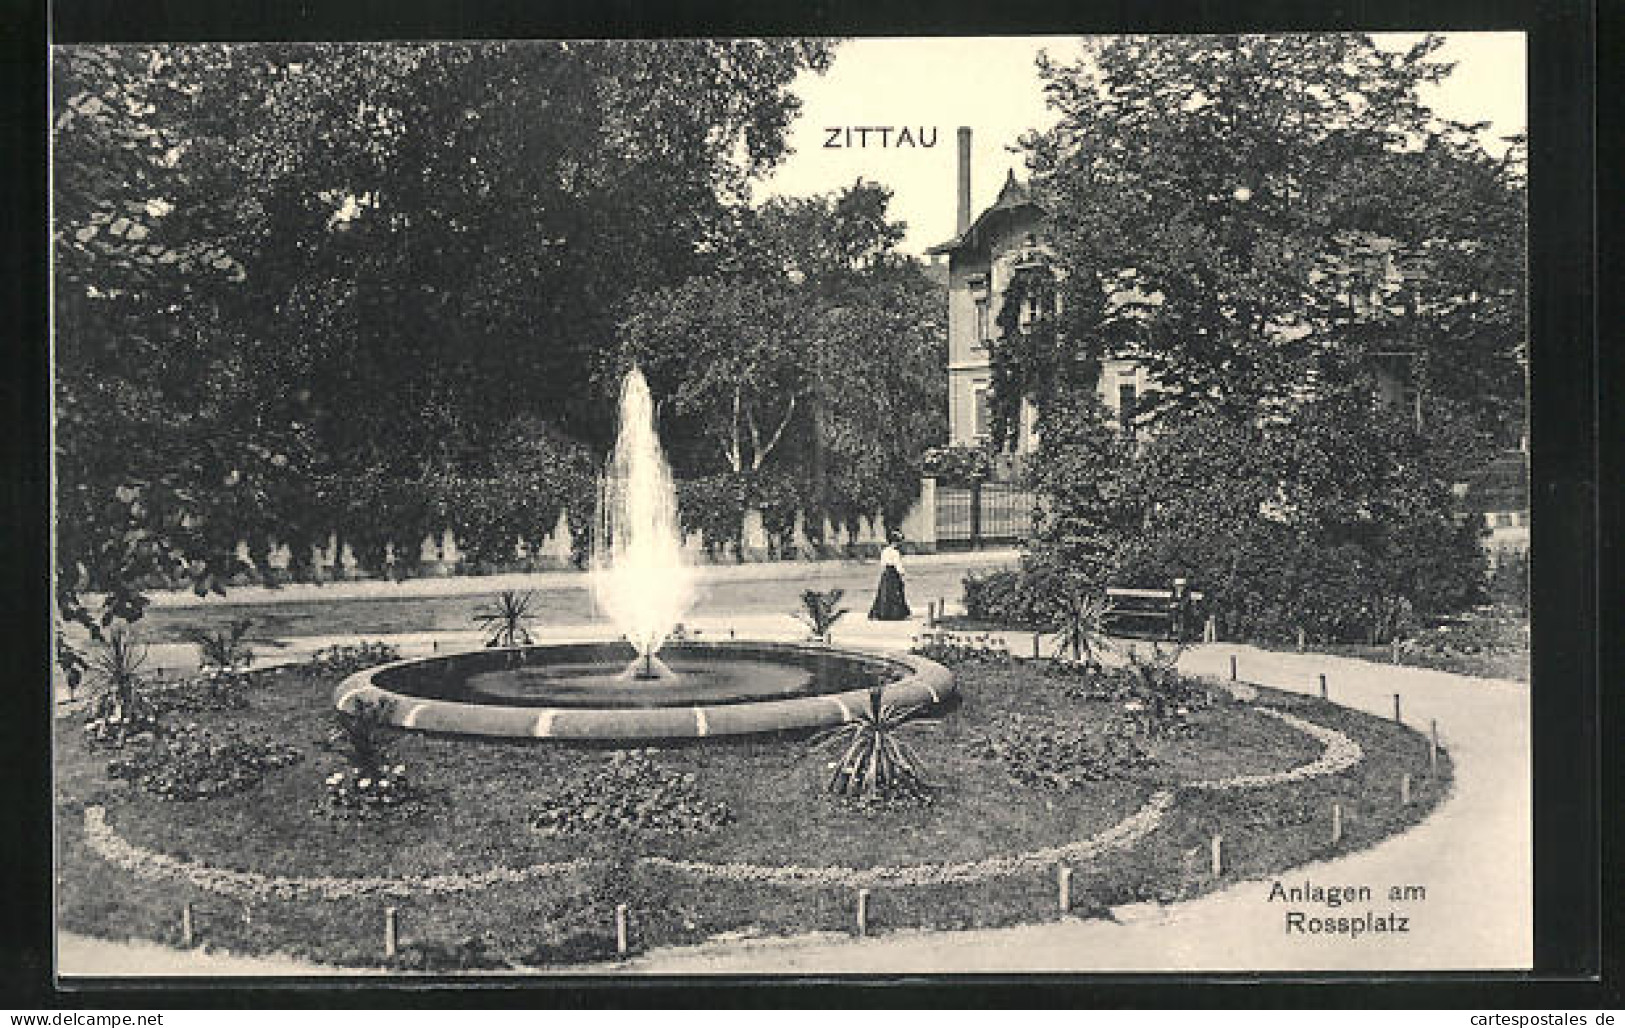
1080, 471
1265, 224
729, 357
402, 251
1247, 201
1339, 522
812, 364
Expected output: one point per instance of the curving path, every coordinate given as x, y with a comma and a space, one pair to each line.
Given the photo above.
1473, 855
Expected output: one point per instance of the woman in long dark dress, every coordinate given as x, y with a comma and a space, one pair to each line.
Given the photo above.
890, 602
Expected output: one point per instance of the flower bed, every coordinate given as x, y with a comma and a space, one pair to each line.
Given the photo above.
1051, 755
191, 764
113, 727
214, 689
629, 793
337, 662
358, 792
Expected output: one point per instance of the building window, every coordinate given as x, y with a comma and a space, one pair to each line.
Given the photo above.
982, 419
982, 328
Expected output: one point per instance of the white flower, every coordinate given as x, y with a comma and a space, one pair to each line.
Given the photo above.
335, 778
365, 783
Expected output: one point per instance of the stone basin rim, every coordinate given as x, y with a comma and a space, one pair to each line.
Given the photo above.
922, 682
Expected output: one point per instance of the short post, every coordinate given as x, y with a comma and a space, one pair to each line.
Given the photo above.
434, 645
1323, 693
863, 911
931, 612
730, 632
188, 930
1433, 745
1037, 637
1210, 630
391, 933
1405, 790
1337, 823
620, 929
1300, 640
1394, 645
942, 609
1063, 884
1232, 667
1218, 855
1396, 708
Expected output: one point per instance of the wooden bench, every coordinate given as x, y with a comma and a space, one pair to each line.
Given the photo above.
1150, 613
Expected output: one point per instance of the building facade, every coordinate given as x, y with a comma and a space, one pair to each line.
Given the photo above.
983, 258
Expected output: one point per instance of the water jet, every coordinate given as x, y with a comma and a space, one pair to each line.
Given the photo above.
643, 685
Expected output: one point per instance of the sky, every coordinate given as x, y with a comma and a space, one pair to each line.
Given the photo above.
934, 85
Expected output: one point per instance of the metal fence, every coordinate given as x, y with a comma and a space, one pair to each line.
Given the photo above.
996, 513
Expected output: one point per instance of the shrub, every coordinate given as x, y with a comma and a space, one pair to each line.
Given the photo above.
630, 794
363, 734
1509, 582
958, 465
820, 611
343, 661
1487, 634
1035, 596
952, 649
222, 647
876, 759
1336, 521
191, 764
1160, 699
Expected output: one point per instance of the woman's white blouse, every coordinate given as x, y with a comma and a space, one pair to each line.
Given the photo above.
892, 557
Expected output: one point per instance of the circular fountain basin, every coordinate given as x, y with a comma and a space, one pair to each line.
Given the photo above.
594, 690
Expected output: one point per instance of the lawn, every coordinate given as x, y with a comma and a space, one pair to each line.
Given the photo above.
481, 794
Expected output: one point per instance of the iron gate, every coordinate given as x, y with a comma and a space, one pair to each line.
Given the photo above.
995, 513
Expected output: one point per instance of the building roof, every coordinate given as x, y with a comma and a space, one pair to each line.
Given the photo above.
1013, 195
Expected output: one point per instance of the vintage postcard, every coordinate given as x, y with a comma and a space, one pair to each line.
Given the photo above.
792, 506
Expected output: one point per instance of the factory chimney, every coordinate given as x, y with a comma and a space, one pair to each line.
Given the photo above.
964, 180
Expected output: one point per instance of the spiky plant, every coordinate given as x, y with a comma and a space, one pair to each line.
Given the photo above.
876, 759
505, 620
819, 611
116, 668
1081, 631
363, 733
222, 647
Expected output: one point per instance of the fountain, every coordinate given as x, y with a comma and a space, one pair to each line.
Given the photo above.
642, 685
638, 576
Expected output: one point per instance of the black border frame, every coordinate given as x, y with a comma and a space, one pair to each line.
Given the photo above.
1568, 822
